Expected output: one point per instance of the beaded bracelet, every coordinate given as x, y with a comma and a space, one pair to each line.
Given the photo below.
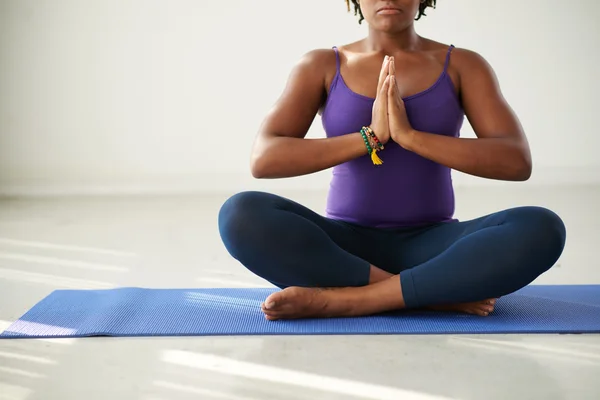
372, 151
374, 137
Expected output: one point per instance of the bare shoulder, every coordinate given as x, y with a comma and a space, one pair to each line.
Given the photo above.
467, 55
316, 67
471, 65
318, 58
318, 62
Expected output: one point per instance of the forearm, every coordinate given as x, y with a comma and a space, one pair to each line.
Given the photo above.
283, 157
494, 158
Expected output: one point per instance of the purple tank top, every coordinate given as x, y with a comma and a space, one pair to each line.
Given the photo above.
407, 190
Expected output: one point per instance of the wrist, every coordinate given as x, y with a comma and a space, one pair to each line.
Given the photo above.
374, 140
372, 144
383, 139
409, 139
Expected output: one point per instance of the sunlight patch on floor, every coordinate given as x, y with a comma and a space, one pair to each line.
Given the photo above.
62, 262
53, 246
21, 372
305, 380
55, 281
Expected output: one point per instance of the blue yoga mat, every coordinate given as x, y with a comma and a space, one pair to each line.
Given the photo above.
198, 312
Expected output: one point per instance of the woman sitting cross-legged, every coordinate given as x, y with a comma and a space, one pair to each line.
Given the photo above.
392, 106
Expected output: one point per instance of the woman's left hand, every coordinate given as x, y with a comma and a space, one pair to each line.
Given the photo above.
400, 129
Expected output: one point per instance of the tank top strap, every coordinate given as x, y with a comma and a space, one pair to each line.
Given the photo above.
337, 75
337, 59
448, 57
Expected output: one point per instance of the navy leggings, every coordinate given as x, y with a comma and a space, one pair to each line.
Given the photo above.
452, 262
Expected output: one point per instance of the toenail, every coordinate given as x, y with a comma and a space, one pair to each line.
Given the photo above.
270, 304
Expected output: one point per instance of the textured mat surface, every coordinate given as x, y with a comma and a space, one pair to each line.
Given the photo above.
197, 312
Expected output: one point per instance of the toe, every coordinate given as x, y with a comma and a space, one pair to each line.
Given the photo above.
272, 301
271, 314
270, 305
484, 308
478, 310
271, 317
264, 308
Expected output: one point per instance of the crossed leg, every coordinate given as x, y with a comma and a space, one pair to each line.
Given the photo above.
322, 266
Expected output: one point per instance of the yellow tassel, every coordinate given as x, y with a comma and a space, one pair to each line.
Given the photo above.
375, 158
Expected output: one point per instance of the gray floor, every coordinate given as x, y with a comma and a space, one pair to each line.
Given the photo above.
173, 242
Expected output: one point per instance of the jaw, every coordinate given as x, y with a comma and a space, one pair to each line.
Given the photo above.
390, 23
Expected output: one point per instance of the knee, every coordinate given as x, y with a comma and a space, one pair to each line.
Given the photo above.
239, 210
543, 233
240, 216
547, 224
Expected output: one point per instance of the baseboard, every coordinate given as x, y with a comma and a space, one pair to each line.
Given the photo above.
233, 182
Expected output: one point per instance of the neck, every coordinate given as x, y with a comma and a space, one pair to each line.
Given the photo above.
389, 43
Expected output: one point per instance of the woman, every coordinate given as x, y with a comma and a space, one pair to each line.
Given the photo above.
392, 106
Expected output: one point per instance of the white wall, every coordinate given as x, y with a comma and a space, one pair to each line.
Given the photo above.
133, 95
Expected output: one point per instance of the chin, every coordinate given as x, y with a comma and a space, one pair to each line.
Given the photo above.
391, 25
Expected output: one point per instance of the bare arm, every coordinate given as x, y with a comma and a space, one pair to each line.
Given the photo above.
501, 150
281, 149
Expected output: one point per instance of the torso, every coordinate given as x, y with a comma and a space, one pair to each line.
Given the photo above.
407, 190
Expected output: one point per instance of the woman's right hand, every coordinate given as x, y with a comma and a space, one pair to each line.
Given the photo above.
379, 121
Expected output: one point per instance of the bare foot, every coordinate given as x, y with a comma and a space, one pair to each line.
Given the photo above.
482, 308
299, 302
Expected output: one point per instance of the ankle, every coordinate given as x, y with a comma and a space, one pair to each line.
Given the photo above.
341, 301
383, 296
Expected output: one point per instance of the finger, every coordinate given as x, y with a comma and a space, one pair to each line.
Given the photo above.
392, 72
391, 90
386, 85
383, 73
396, 89
383, 94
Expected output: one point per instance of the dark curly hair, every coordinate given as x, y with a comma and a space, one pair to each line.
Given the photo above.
422, 7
